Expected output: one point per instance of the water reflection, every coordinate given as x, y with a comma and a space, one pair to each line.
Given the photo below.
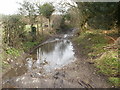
45, 59
56, 55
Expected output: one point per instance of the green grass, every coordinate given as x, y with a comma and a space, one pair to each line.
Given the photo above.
28, 45
92, 42
115, 81
108, 63
105, 60
13, 51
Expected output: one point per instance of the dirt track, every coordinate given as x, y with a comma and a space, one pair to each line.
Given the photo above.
78, 74
0, 57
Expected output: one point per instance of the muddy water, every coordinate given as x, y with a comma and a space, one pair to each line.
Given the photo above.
40, 66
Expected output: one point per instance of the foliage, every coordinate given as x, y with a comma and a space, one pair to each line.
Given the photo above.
13, 30
28, 8
47, 9
67, 16
89, 13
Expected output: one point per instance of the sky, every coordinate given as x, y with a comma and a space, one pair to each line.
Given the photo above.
11, 6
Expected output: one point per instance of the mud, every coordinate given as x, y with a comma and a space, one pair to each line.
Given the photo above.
55, 65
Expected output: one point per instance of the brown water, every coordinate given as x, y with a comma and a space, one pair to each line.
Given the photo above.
40, 65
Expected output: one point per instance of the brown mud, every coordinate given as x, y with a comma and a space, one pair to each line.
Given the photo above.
78, 73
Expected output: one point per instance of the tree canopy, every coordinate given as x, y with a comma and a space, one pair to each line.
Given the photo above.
104, 13
47, 9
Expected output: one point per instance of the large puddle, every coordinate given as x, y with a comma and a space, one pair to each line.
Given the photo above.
46, 58
53, 55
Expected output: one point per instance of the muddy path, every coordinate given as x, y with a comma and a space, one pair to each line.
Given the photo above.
54, 65
1, 50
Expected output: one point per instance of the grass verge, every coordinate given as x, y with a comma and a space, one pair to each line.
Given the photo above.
92, 45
